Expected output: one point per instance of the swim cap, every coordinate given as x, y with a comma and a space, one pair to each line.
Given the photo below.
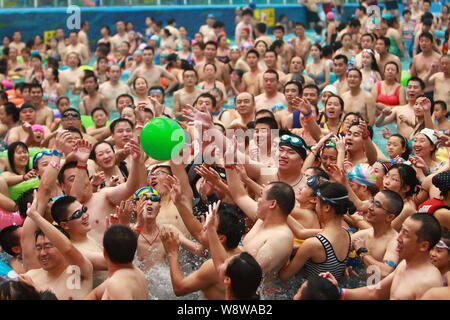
330, 88
363, 175
430, 135
430, 206
330, 15
442, 181
37, 127
138, 52
246, 45
144, 190
386, 165
295, 143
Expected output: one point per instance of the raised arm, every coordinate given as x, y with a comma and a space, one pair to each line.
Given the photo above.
63, 244
125, 190
82, 150
240, 195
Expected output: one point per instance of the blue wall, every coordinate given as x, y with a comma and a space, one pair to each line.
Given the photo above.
35, 21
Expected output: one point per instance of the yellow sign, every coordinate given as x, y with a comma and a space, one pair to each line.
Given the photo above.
265, 15
48, 35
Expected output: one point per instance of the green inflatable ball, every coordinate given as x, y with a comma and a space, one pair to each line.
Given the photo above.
405, 77
162, 138
87, 68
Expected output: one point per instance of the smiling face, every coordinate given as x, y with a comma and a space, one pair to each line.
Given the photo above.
76, 226
122, 134
422, 146
48, 256
140, 86
376, 212
328, 157
288, 159
392, 181
245, 104
21, 157
333, 108
99, 117
440, 258
104, 156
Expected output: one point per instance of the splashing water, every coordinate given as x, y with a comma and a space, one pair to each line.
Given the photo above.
160, 283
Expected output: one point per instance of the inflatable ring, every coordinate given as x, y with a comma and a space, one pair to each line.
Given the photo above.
16, 190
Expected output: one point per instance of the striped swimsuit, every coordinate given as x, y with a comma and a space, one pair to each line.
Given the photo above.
332, 264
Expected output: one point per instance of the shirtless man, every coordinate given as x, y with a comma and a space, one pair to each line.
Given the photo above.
301, 43
382, 48
64, 269
188, 94
440, 80
270, 59
222, 73
229, 230
296, 69
168, 212
422, 63
285, 117
415, 274
27, 115
271, 96
287, 51
69, 77
250, 78
76, 46
112, 88
270, 241
125, 281
377, 245
44, 115
353, 29
404, 115
103, 202
367, 42
358, 100
92, 98
151, 72
340, 65
119, 37
72, 217
246, 108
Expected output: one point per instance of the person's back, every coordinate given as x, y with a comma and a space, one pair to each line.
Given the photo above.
134, 280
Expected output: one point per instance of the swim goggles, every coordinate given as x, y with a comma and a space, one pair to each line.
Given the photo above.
294, 140
330, 143
45, 153
76, 215
330, 200
313, 182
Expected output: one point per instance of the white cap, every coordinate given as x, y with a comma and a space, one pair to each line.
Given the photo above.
330, 88
430, 134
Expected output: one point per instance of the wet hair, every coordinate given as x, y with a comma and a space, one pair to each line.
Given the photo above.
393, 63
66, 166
62, 98
12, 150
115, 122
120, 243
354, 23
252, 51
319, 172
231, 225
357, 70
395, 203
11, 109
404, 143
297, 83
429, 231
327, 51
417, 79
18, 290
426, 34
261, 41
439, 102
98, 109
386, 41
22, 202
274, 52
408, 177
190, 69
207, 95
269, 112
261, 27
246, 275
271, 122
217, 91
341, 56
319, 288
125, 95
332, 190
312, 86
341, 101
278, 27
77, 131
9, 239
59, 208
283, 194
211, 43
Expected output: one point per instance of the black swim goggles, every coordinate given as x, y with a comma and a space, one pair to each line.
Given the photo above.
76, 215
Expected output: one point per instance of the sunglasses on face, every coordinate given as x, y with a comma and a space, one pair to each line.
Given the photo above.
291, 139
71, 114
76, 215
